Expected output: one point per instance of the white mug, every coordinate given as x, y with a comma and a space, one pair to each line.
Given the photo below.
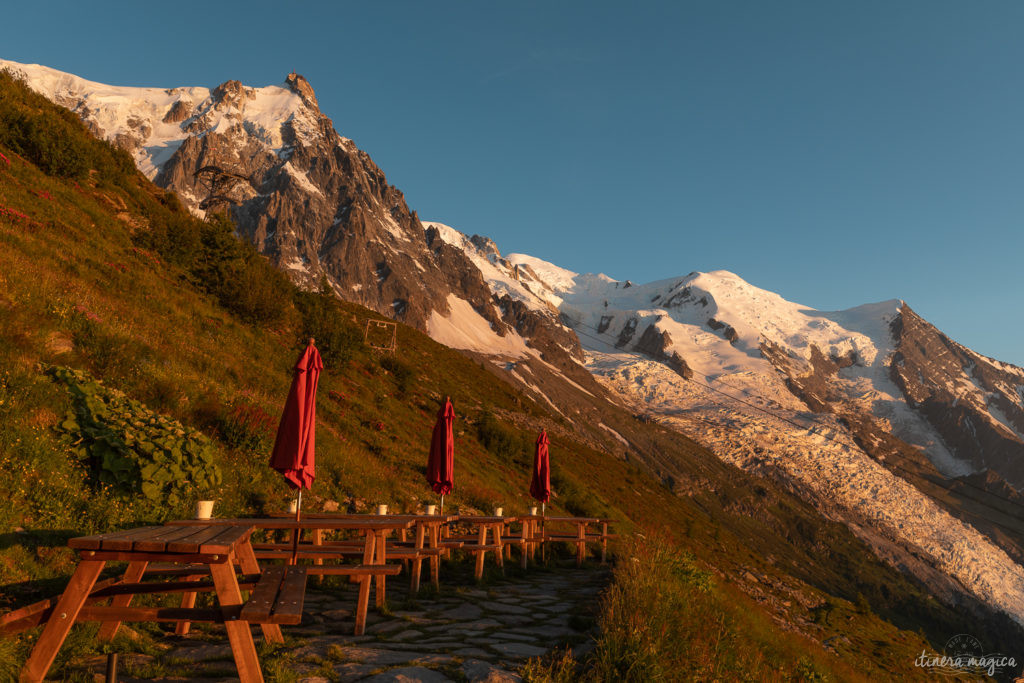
204, 509
498, 511
533, 511
431, 509
382, 509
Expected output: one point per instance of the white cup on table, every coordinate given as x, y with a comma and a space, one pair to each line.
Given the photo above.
382, 509
431, 509
533, 511
204, 509
498, 511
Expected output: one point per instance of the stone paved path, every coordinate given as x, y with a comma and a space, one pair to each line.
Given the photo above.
465, 631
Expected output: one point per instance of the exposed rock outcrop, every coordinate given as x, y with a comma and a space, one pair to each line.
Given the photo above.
973, 402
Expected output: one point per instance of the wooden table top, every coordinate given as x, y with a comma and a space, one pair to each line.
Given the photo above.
198, 539
574, 520
485, 519
419, 519
375, 523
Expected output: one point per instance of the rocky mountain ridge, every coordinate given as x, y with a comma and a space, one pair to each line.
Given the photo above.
307, 197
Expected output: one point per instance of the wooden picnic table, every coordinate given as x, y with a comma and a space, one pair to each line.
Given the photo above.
538, 530
427, 543
478, 545
374, 567
277, 595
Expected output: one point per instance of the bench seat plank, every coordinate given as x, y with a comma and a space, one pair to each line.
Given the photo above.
261, 602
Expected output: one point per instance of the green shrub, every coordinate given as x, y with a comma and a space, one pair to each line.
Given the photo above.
336, 334
54, 139
131, 449
500, 440
241, 279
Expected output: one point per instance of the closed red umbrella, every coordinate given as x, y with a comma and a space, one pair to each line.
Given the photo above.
440, 463
540, 484
294, 448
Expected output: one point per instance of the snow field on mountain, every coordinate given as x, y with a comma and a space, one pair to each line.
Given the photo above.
464, 328
842, 480
839, 478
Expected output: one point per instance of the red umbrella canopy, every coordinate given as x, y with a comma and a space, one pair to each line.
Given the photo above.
294, 447
440, 464
540, 484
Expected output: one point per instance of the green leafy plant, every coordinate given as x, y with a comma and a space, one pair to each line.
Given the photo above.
337, 336
132, 449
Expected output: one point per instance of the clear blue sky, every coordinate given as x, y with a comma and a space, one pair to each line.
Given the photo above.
834, 152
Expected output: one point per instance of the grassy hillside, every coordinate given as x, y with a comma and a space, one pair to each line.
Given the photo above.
126, 324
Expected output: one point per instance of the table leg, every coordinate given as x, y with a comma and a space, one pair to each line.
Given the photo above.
188, 601
242, 646
481, 539
380, 557
581, 543
249, 565
435, 559
402, 537
318, 539
604, 542
64, 615
500, 555
530, 544
417, 564
131, 575
364, 584
524, 547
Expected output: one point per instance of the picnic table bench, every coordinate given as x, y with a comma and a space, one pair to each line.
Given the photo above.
477, 544
427, 542
580, 537
372, 571
276, 595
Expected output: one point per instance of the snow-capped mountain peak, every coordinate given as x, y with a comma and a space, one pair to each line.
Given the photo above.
152, 123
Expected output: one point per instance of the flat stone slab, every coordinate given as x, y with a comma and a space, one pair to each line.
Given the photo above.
506, 609
508, 635
409, 674
517, 650
318, 646
375, 656
408, 634
476, 670
463, 612
480, 625
386, 626
203, 653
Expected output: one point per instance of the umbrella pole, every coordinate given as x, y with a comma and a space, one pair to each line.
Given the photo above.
442, 503
543, 545
295, 534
